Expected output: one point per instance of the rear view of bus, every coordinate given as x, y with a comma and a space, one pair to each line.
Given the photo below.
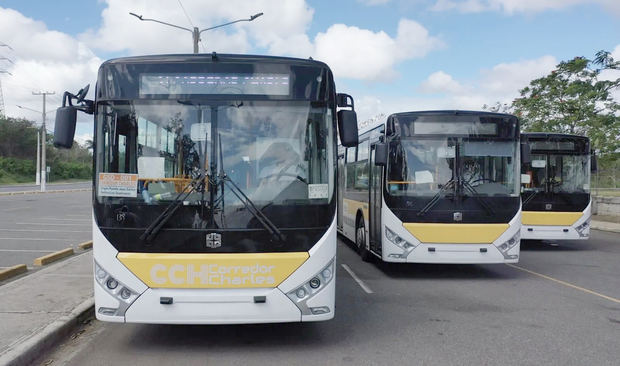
214, 193
451, 188
556, 187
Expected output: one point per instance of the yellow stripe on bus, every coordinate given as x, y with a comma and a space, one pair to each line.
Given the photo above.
456, 233
550, 218
212, 270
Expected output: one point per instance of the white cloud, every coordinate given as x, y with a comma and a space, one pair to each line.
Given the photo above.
440, 82
43, 60
358, 53
281, 28
517, 6
441, 90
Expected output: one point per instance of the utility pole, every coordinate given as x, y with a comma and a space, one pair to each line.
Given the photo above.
43, 138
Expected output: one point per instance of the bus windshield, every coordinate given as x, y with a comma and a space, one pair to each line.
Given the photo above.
428, 155
276, 152
558, 173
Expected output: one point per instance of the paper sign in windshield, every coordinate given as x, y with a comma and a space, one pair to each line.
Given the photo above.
316, 191
117, 185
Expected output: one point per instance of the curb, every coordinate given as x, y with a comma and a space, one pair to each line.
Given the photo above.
86, 245
34, 347
605, 226
50, 191
53, 257
13, 271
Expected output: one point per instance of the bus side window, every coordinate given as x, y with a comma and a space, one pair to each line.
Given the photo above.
361, 166
350, 167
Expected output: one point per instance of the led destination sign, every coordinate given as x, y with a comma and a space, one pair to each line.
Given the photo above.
215, 83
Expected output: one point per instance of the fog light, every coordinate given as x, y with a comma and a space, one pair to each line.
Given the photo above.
125, 294
301, 293
315, 283
101, 273
327, 274
111, 283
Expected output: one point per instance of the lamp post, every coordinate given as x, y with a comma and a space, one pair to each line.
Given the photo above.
195, 31
39, 131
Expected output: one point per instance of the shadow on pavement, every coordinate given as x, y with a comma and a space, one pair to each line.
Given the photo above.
555, 246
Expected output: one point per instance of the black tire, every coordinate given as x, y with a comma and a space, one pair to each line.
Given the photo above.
360, 241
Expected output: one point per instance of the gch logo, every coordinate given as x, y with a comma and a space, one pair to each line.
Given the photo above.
214, 240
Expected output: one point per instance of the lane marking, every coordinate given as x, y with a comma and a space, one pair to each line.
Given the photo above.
27, 250
48, 224
567, 284
47, 231
38, 239
15, 208
54, 219
359, 281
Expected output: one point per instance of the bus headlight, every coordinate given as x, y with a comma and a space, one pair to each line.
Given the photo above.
581, 229
403, 244
316, 283
118, 290
509, 244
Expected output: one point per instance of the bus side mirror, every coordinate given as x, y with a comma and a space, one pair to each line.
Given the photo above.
526, 156
347, 127
64, 128
381, 154
593, 162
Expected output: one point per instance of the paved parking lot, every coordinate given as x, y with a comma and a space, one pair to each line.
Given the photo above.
559, 306
32, 225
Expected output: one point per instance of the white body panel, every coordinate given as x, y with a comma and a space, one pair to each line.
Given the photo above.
447, 252
215, 306
548, 232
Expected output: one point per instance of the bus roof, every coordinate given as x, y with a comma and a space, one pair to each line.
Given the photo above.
451, 112
211, 57
550, 135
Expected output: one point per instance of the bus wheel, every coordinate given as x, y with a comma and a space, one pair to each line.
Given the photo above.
360, 241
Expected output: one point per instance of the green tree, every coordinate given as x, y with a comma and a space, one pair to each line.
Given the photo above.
575, 99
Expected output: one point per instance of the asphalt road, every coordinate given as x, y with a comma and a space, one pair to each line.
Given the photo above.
565, 311
49, 187
33, 225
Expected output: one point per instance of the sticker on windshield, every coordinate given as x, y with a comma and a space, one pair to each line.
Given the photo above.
117, 185
317, 191
539, 163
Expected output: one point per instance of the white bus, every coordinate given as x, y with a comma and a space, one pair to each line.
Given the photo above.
556, 187
214, 197
434, 187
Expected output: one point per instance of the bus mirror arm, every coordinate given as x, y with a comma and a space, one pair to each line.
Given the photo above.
381, 154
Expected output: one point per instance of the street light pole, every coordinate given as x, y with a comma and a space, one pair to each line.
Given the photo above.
195, 31
38, 169
43, 138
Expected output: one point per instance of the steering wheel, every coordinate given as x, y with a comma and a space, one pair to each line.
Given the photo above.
284, 174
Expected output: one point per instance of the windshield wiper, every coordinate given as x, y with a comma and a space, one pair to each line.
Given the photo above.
161, 220
529, 198
449, 184
479, 199
251, 207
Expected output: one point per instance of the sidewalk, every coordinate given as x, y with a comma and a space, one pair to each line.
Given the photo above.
41, 308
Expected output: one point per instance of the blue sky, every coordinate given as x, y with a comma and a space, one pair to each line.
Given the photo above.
391, 55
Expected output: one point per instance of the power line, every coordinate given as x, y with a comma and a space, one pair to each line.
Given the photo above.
191, 23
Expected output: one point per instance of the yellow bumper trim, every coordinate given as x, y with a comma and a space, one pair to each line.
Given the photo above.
456, 233
550, 218
201, 270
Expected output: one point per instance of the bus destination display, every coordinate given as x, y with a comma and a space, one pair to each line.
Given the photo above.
215, 83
